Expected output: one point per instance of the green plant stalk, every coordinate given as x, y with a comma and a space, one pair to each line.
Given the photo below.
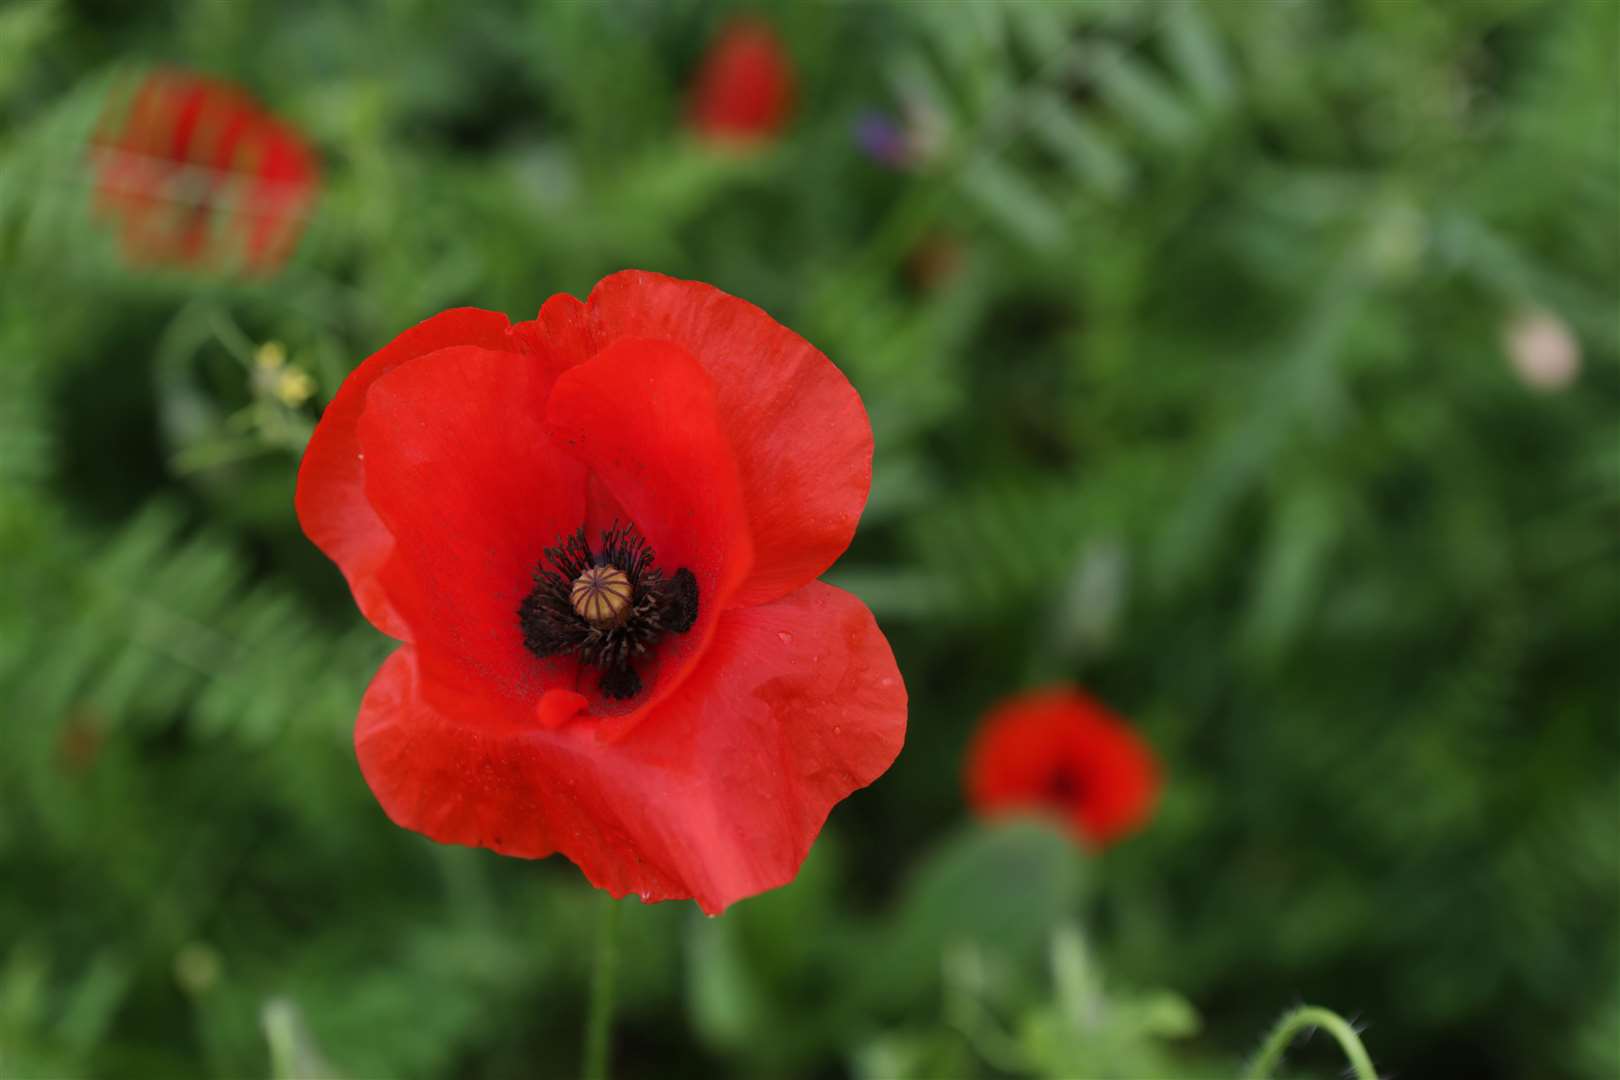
599, 1019
1304, 1018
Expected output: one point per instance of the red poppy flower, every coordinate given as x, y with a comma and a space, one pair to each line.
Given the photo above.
744, 90
1060, 751
598, 535
196, 173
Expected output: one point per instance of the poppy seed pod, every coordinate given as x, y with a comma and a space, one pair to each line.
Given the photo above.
601, 596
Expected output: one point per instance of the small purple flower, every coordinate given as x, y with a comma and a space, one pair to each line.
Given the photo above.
881, 138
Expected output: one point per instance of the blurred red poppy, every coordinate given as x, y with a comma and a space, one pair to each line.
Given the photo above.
744, 90
598, 535
197, 173
1062, 752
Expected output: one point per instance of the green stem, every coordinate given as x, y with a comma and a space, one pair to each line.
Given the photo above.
1301, 1019
599, 1021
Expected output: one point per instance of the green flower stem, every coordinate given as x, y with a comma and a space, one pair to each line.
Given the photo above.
599, 1021
1304, 1018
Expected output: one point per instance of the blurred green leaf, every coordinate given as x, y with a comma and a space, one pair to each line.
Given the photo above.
1001, 886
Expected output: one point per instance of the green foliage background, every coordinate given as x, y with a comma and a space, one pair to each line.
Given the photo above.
1183, 346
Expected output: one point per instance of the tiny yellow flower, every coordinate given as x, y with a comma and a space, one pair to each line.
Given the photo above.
271, 356
294, 387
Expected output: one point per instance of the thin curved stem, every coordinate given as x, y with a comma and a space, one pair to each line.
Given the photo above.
1304, 1018
599, 1020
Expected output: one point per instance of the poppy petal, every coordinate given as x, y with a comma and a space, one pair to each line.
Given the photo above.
802, 440
642, 417
278, 197
460, 471
331, 499
795, 705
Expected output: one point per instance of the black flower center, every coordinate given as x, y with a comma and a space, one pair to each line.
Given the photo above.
1063, 787
607, 607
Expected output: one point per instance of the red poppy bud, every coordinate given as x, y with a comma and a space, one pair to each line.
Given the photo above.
1061, 752
744, 90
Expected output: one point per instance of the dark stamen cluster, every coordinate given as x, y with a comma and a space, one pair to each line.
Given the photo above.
1063, 786
553, 624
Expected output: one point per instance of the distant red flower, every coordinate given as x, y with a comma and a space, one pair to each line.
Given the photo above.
197, 173
598, 535
1060, 751
744, 90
